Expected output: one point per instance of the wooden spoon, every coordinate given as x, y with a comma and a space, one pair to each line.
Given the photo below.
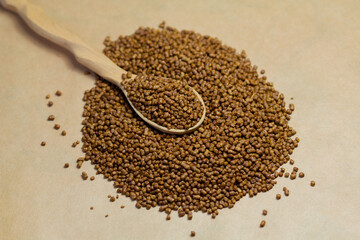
37, 20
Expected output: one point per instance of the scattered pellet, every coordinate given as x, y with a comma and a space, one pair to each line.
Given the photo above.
162, 25
57, 126
295, 169
292, 162
168, 217
66, 165
106, 215
43, 143
84, 175
91, 208
122, 206
192, 234
51, 118
301, 174
47, 96
50, 103
287, 174
58, 93
74, 144
262, 223
63, 133
262, 71
278, 196
286, 192
92, 178
264, 212
312, 183
293, 176
77, 142
291, 107
112, 199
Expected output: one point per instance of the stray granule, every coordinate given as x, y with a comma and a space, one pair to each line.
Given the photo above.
51, 118
278, 196
237, 151
50, 103
168, 217
122, 206
66, 165
92, 178
57, 126
74, 144
301, 174
192, 234
84, 175
47, 96
63, 133
312, 183
43, 143
286, 192
264, 212
169, 103
109, 196
292, 162
106, 215
58, 93
262, 223
117, 196
112, 199
287, 174
91, 208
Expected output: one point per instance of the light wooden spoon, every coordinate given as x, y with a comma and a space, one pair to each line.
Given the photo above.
37, 20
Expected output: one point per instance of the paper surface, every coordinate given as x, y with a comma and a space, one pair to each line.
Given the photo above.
310, 51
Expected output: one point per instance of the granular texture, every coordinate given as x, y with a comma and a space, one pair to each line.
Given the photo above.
167, 102
243, 141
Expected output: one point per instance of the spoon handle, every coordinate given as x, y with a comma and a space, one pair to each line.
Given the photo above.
38, 21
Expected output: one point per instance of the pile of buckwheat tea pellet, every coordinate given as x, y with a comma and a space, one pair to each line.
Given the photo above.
243, 141
167, 102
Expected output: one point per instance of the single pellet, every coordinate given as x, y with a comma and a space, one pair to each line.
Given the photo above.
262, 223
51, 118
66, 165
106, 215
57, 126
264, 212
312, 183
63, 133
112, 199
92, 178
43, 143
122, 206
58, 93
287, 174
84, 175
278, 196
50, 103
301, 174
192, 233
292, 162
91, 208
168, 217
47, 96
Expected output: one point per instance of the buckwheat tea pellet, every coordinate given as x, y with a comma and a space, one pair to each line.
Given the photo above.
51, 118
262, 223
238, 150
43, 143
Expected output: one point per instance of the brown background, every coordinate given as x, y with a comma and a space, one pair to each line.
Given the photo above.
310, 50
